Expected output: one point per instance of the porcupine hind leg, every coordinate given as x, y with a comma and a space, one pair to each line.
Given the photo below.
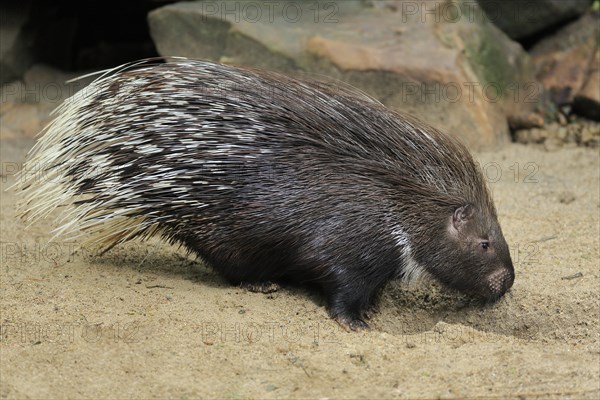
243, 274
255, 275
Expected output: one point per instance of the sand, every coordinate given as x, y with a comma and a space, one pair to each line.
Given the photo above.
147, 321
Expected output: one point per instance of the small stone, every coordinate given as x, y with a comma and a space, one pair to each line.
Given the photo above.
562, 120
24, 119
525, 120
522, 136
551, 129
552, 144
536, 135
594, 142
570, 145
573, 131
586, 135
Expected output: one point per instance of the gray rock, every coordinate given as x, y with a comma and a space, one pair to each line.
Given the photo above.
564, 62
520, 18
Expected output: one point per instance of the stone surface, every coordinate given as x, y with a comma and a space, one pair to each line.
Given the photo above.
452, 68
565, 60
521, 18
24, 119
26, 104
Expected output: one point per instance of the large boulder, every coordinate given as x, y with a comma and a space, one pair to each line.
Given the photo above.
521, 18
567, 64
445, 63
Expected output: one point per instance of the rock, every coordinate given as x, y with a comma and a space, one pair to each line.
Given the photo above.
522, 136
519, 18
23, 119
44, 85
537, 135
573, 132
590, 135
561, 133
563, 61
587, 101
458, 73
51, 85
525, 120
26, 105
562, 119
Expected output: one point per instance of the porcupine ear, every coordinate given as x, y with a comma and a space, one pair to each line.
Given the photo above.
461, 216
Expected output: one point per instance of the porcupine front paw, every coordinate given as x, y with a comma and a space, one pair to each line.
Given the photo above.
371, 311
356, 321
348, 314
351, 322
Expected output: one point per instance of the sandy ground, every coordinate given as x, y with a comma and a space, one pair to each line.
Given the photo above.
147, 321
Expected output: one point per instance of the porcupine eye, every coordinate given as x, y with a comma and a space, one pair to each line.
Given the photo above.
484, 245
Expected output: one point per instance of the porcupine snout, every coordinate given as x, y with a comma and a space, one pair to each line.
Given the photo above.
499, 281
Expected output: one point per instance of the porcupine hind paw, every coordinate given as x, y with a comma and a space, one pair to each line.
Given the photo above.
261, 287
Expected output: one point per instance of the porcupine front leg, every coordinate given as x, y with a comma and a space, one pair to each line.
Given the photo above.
351, 277
351, 301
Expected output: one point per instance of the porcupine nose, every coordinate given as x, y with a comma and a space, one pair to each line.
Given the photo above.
500, 281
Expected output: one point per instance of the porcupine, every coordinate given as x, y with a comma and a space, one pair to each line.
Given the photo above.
270, 179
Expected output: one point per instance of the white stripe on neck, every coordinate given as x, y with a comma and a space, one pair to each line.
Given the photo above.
410, 271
